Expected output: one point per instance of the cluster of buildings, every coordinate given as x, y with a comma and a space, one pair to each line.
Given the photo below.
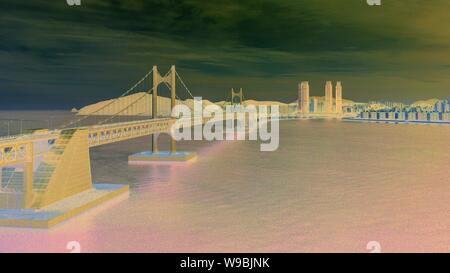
386, 105
439, 112
331, 105
328, 106
442, 106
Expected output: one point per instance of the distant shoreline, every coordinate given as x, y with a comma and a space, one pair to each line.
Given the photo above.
396, 121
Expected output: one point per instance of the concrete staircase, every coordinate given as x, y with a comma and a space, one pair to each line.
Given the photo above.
48, 165
12, 180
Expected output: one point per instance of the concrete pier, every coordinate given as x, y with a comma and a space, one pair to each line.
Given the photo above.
162, 156
62, 210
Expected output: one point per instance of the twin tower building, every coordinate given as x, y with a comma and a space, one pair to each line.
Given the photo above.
327, 106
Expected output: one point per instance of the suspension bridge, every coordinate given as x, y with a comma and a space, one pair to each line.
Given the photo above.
45, 174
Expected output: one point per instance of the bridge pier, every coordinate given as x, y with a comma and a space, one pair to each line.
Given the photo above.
155, 155
173, 146
155, 149
155, 143
28, 178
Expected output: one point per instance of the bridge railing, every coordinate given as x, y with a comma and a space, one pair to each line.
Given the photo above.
110, 133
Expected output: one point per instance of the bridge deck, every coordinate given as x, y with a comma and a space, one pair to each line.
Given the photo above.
16, 149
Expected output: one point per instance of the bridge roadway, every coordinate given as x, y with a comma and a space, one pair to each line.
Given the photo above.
19, 149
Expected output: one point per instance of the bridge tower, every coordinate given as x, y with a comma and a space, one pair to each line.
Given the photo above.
154, 154
170, 79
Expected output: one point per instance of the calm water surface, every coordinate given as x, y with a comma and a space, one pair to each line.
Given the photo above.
331, 186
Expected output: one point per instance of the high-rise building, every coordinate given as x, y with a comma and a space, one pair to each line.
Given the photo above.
303, 90
338, 98
329, 97
439, 106
442, 106
315, 105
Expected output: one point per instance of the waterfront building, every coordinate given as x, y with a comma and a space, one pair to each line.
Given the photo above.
442, 106
422, 116
329, 97
304, 97
435, 116
439, 106
439, 112
446, 117
382, 115
338, 98
412, 116
348, 109
315, 105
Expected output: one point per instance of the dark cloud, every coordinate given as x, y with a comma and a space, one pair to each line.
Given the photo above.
63, 56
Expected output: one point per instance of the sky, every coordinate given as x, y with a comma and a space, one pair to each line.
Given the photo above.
56, 56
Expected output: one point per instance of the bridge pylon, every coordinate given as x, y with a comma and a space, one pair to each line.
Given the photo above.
170, 79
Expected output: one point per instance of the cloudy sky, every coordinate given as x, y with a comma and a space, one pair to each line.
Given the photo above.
56, 56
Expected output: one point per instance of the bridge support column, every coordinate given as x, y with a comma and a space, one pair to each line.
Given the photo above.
28, 178
173, 94
155, 92
173, 146
155, 155
155, 143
